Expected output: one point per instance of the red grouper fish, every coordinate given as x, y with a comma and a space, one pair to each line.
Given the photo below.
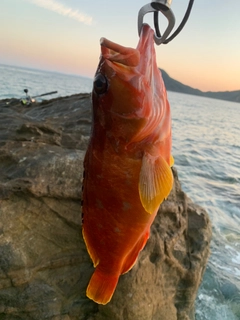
127, 164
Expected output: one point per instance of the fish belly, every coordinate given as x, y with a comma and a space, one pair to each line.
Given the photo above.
115, 225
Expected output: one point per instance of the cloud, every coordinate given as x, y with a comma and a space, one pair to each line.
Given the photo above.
63, 10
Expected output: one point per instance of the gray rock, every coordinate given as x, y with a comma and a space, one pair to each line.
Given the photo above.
44, 265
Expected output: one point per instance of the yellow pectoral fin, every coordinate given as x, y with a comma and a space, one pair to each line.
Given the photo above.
155, 182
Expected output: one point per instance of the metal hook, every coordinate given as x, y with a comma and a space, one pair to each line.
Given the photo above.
164, 7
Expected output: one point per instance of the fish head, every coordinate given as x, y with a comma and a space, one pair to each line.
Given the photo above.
127, 88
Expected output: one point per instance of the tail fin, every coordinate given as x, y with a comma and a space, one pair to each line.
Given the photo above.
101, 287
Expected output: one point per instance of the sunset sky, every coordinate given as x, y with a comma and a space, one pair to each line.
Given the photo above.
63, 36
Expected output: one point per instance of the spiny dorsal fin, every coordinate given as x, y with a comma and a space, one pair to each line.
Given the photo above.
155, 182
90, 250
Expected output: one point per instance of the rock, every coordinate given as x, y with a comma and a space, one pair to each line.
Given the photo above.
44, 265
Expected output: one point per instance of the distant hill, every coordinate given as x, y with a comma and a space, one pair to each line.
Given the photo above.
174, 85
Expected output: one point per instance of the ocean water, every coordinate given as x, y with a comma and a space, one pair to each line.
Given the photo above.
206, 148
13, 80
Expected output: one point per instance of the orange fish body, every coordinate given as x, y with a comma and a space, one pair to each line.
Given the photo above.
127, 164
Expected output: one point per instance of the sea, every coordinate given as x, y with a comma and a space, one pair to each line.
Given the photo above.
206, 148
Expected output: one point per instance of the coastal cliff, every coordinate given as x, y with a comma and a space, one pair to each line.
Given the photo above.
44, 265
176, 86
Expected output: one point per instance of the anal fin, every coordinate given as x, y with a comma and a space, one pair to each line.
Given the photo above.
171, 161
133, 255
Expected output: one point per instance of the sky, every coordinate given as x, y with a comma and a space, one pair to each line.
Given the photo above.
63, 36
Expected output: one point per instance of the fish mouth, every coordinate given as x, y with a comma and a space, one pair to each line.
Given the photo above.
119, 54
130, 57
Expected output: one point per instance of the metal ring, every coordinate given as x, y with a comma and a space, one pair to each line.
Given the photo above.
167, 12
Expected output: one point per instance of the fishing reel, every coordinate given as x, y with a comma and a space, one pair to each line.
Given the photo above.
27, 101
163, 6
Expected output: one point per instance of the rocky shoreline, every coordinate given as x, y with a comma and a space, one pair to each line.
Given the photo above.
44, 265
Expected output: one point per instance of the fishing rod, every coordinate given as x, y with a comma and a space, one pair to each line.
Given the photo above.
163, 6
28, 100
44, 94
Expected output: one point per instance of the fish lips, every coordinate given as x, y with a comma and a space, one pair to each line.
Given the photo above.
114, 52
140, 58
130, 75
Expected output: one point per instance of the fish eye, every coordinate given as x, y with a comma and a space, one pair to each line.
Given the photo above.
100, 83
